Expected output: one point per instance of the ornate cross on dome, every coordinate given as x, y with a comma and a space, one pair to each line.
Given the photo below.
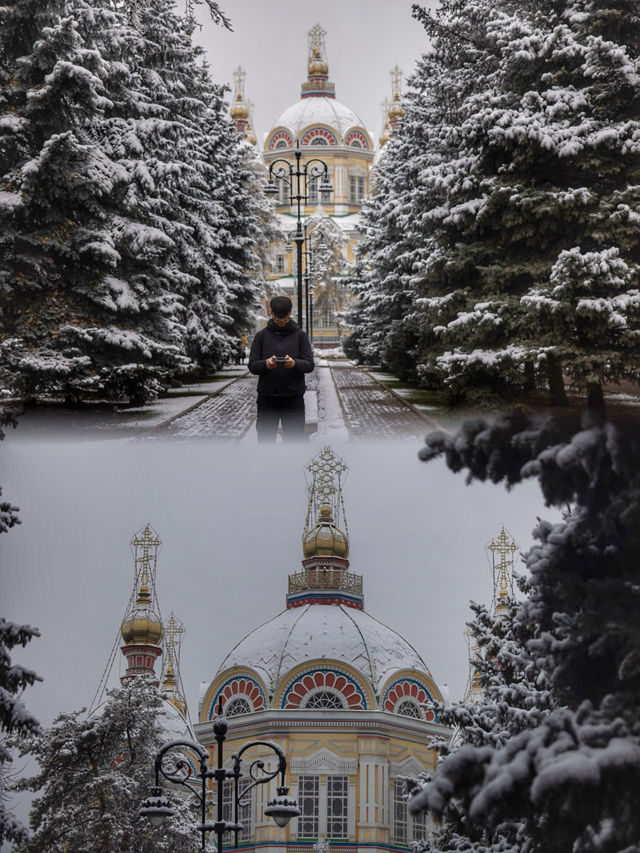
502, 550
325, 488
145, 545
239, 75
316, 42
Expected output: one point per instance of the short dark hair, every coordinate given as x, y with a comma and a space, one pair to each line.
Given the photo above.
281, 306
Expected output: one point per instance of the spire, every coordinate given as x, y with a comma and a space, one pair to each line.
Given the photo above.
396, 111
317, 84
141, 627
239, 110
502, 550
171, 681
325, 578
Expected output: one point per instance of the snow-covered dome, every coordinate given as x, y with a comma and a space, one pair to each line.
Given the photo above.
324, 651
323, 111
319, 632
318, 119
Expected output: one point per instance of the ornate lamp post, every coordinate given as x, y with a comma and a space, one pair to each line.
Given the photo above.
157, 807
312, 170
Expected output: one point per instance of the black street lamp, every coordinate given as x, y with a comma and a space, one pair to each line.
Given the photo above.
157, 807
311, 171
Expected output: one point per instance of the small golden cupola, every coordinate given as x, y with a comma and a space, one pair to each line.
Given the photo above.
141, 628
325, 577
239, 110
325, 540
396, 111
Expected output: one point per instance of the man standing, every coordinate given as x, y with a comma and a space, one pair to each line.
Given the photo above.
280, 355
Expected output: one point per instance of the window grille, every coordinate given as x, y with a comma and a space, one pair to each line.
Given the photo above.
309, 805
236, 707
244, 814
409, 709
399, 813
337, 806
324, 699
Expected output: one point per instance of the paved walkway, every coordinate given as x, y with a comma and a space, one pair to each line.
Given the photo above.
342, 401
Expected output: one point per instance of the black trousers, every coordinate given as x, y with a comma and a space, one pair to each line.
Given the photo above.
286, 410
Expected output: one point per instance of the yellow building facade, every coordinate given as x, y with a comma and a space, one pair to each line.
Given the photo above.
325, 129
345, 697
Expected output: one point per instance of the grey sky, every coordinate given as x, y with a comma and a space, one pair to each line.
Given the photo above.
365, 40
231, 519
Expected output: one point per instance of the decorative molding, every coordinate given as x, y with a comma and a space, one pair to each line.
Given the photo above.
323, 762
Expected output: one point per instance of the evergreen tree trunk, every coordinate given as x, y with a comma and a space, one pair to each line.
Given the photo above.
595, 402
557, 394
529, 377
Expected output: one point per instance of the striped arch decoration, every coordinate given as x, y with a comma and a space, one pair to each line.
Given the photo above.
278, 136
329, 137
357, 139
320, 682
241, 691
405, 694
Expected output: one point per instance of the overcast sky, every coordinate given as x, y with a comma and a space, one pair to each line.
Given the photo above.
365, 40
231, 519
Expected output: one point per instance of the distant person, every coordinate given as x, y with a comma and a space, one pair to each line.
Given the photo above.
280, 355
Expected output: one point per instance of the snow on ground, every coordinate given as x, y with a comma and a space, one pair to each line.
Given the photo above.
331, 424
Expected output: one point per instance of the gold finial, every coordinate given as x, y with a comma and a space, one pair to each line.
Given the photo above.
171, 683
395, 110
325, 508
142, 625
239, 112
502, 548
317, 83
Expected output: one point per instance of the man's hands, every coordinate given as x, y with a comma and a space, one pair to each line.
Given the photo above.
273, 362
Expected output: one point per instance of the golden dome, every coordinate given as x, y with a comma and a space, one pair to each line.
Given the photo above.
142, 626
325, 540
317, 66
239, 111
396, 112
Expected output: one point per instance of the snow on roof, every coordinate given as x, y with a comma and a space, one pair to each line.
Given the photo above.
318, 631
317, 110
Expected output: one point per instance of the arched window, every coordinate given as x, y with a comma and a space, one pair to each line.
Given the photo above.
319, 140
324, 699
355, 143
409, 709
237, 707
281, 143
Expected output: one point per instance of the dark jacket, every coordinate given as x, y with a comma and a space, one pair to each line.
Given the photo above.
281, 381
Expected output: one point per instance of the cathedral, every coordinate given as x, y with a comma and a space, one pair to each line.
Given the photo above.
321, 128
348, 700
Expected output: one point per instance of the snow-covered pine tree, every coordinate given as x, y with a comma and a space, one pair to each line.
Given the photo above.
514, 697
425, 181
555, 148
572, 781
131, 232
15, 720
191, 178
69, 325
94, 773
